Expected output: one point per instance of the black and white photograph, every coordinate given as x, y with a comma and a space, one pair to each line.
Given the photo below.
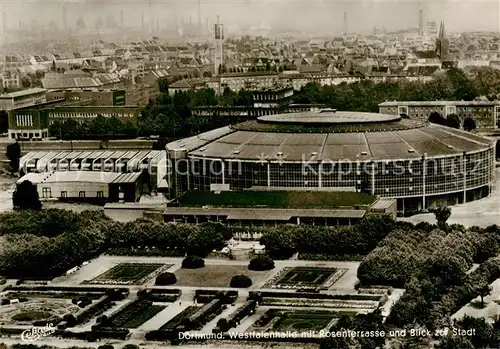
247, 174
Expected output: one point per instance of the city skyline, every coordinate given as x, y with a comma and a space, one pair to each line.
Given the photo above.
315, 17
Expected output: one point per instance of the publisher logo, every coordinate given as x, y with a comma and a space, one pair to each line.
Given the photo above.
36, 333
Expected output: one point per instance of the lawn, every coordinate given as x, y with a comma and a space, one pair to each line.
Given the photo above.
32, 316
306, 276
135, 314
176, 320
216, 275
278, 199
127, 273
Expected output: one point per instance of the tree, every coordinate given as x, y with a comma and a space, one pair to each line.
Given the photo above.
25, 197
193, 262
163, 85
469, 124
483, 291
130, 346
165, 279
70, 320
53, 67
223, 325
261, 263
453, 121
105, 346
437, 118
240, 281
279, 243
455, 342
14, 154
442, 213
4, 121
337, 343
102, 320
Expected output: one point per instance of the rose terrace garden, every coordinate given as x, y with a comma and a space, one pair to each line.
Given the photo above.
305, 278
45, 244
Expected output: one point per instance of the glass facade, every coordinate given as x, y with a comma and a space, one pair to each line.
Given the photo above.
427, 176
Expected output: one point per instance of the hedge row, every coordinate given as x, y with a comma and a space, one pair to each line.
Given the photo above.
203, 315
284, 241
159, 295
234, 319
207, 296
189, 323
100, 307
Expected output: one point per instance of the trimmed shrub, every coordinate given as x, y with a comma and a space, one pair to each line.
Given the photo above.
193, 262
105, 346
261, 263
223, 325
70, 320
241, 281
165, 279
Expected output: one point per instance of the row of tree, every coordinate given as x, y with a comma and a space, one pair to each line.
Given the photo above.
367, 95
329, 242
453, 121
47, 243
405, 253
171, 117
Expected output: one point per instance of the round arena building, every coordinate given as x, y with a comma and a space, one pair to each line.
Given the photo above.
415, 162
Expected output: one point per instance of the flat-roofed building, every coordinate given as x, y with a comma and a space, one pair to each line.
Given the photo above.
98, 187
150, 162
249, 81
486, 114
22, 99
33, 123
95, 97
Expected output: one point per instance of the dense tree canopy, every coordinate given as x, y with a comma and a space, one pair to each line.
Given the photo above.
49, 242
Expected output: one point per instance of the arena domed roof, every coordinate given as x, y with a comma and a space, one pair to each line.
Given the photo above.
329, 116
331, 136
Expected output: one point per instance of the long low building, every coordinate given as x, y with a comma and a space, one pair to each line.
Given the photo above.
152, 162
100, 187
33, 123
486, 114
272, 216
247, 216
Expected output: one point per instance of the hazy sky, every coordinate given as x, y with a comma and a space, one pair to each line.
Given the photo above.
303, 15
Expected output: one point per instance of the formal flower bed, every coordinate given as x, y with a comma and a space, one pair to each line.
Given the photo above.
333, 279
130, 274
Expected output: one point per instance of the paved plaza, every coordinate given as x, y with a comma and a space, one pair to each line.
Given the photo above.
481, 213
